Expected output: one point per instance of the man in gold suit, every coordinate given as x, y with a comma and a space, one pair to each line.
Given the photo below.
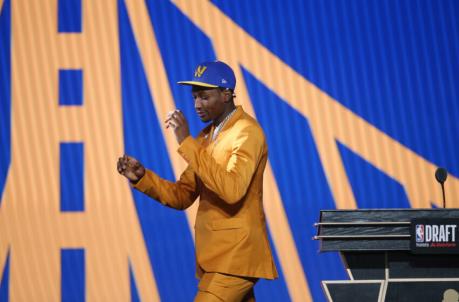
225, 169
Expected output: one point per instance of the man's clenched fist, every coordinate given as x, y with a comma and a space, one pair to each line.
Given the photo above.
131, 168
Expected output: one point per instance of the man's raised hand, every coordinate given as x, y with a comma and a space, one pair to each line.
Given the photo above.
177, 121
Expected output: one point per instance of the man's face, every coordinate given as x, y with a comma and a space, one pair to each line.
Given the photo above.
209, 103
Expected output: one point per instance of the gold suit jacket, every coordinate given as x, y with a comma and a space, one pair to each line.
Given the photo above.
227, 175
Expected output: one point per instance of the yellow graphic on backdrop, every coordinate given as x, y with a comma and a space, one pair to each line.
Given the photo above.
32, 227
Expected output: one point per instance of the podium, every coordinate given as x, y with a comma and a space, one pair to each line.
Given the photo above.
376, 247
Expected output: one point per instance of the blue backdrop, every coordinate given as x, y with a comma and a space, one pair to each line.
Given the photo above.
394, 63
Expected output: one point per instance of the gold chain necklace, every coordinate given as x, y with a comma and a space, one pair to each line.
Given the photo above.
220, 126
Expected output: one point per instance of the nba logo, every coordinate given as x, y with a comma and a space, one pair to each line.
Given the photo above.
419, 233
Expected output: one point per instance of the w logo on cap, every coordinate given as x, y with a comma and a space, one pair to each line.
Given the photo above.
199, 71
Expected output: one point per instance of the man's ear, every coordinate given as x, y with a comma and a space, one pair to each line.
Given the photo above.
228, 95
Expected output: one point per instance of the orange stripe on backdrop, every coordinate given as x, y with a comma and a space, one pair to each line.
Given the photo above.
224, 41
159, 86
388, 155
5, 240
36, 230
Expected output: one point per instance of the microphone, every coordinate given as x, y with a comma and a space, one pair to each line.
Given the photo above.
440, 175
